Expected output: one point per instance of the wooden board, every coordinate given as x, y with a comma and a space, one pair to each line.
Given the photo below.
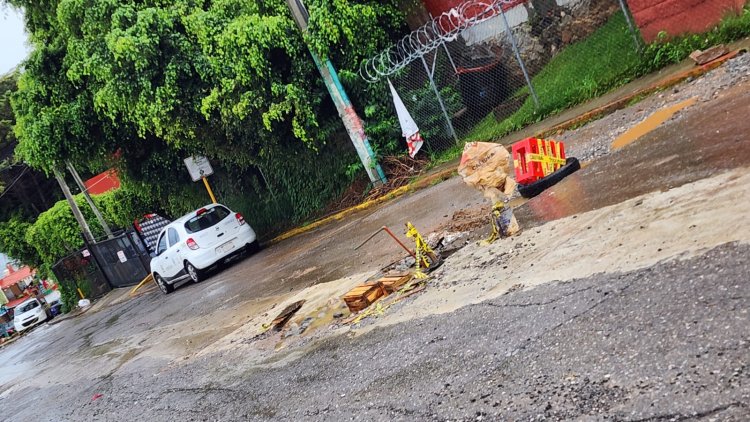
362, 296
393, 283
286, 315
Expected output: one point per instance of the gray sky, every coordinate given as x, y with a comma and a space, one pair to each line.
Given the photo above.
13, 39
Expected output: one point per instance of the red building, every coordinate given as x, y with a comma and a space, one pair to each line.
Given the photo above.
13, 283
103, 182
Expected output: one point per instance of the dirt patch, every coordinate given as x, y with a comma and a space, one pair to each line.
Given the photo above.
469, 219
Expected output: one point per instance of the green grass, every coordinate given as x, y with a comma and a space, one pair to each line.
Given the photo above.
582, 71
666, 50
603, 61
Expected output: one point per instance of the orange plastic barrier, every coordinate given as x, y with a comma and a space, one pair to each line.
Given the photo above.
534, 159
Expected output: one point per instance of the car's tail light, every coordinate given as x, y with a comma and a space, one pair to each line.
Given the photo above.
191, 244
240, 218
200, 212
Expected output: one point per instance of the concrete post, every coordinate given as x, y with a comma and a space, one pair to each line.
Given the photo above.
90, 201
74, 207
352, 122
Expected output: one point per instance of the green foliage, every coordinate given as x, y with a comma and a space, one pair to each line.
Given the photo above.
68, 296
56, 233
7, 87
426, 105
667, 50
155, 82
13, 242
581, 71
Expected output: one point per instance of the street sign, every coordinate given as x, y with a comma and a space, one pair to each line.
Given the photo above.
198, 167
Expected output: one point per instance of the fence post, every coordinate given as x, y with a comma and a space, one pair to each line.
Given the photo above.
440, 99
518, 56
626, 12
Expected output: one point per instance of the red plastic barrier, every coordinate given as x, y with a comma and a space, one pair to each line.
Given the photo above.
534, 159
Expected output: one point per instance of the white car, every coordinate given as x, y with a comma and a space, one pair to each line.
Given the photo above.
196, 241
28, 314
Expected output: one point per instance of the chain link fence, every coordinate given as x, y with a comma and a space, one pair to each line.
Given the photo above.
484, 69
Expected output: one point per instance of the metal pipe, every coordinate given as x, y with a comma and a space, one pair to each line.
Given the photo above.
387, 230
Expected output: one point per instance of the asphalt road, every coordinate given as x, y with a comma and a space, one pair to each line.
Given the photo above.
666, 343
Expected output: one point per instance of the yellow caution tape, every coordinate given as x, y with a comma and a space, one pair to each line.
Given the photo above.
422, 250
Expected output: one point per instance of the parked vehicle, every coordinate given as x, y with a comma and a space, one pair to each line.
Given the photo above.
28, 314
193, 243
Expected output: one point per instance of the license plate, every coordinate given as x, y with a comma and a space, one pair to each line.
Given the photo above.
225, 247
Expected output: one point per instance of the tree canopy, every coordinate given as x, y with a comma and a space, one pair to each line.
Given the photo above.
229, 79
141, 85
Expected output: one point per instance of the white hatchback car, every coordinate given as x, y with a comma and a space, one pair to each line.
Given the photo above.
28, 314
196, 241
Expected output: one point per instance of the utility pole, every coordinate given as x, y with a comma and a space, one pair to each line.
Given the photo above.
74, 207
90, 201
354, 126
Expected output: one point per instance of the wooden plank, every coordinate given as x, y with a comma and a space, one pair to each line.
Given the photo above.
392, 284
362, 296
286, 315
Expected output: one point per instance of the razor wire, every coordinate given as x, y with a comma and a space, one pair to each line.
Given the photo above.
444, 28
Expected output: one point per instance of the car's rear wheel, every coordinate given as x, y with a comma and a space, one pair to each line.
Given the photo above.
194, 273
165, 287
252, 248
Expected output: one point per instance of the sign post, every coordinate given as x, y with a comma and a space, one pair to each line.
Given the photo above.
199, 169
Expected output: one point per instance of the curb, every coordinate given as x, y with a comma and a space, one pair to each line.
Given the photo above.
625, 101
398, 192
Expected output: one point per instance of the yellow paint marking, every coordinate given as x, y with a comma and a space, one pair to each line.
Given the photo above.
652, 122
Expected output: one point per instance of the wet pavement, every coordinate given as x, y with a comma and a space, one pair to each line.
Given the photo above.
518, 356
702, 142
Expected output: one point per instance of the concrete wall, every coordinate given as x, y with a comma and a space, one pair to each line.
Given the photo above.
676, 17
494, 28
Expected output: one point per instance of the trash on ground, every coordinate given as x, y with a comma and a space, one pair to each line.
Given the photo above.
708, 55
503, 222
381, 305
285, 315
540, 164
486, 167
83, 303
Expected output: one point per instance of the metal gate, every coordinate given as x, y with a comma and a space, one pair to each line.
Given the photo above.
81, 267
123, 259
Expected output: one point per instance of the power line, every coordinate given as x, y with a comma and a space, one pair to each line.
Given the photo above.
14, 182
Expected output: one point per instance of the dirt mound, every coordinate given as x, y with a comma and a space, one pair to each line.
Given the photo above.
467, 220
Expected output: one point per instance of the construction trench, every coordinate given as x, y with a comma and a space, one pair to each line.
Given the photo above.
625, 296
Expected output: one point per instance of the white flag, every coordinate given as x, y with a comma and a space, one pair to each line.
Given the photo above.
409, 128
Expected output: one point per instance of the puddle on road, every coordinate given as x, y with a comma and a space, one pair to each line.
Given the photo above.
709, 140
652, 122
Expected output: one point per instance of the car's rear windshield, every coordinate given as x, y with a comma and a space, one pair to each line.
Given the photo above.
27, 307
207, 219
